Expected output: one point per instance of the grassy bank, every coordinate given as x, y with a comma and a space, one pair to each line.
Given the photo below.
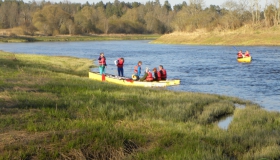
51, 110
243, 36
78, 38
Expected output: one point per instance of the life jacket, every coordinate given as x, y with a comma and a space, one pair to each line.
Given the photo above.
158, 76
149, 77
163, 74
239, 55
102, 61
247, 55
120, 63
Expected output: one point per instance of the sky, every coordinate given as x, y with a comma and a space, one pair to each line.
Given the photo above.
172, 2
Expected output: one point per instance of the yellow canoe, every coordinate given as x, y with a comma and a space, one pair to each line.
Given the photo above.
245, 59
130, 82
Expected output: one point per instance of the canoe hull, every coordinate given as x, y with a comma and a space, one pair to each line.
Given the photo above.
130, 82
245, 59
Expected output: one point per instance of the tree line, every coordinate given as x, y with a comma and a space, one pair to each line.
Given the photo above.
65, 17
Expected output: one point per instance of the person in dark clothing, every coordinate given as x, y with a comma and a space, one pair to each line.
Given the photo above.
157, 75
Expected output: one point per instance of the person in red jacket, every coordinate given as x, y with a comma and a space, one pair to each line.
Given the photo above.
162, 72
148, 76
119, 64
247, 54
157, 75
240, 54
102, 63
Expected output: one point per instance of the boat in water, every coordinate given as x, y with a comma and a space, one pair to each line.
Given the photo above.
245, 59
130, 82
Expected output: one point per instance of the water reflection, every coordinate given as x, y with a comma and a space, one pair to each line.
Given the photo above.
224, 123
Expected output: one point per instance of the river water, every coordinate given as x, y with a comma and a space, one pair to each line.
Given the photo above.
207, 69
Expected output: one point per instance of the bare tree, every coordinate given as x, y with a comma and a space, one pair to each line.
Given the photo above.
255, 10
231, 19
276, 4
272, 13
102, 20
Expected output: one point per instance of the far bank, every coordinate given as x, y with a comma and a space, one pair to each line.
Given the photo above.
241, 37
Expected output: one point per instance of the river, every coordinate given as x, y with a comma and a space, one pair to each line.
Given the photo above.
207, 69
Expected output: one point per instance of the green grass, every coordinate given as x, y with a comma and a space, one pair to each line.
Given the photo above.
79, 38
49, 109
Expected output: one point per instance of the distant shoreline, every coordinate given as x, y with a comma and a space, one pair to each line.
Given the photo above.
241, 37
62, 38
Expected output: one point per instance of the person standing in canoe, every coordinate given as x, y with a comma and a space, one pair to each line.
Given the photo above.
247, 54
137, 71
119, 64
162, 73
102, 63
240, 54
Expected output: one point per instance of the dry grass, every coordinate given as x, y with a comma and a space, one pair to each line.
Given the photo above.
14, 137
243, 36
11, 31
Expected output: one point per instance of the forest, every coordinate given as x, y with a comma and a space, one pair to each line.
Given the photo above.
66, 18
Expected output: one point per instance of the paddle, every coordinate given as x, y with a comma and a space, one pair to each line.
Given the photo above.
103, 77
238, 51
129, 80
116, 63
235, 48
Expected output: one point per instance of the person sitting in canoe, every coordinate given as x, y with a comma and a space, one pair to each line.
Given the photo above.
157, 75
162, 72
240, 54
148, 76
137, 71
247, 54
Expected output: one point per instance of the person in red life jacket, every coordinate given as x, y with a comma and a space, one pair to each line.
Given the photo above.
157, 75
137, 71
148, 76
162, 72
102, 63
247, 54
240, 54
119, 64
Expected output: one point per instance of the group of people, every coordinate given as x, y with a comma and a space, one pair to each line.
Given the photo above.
157, 75
102, 64
241, 55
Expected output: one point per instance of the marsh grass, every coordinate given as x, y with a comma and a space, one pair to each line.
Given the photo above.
51, 110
